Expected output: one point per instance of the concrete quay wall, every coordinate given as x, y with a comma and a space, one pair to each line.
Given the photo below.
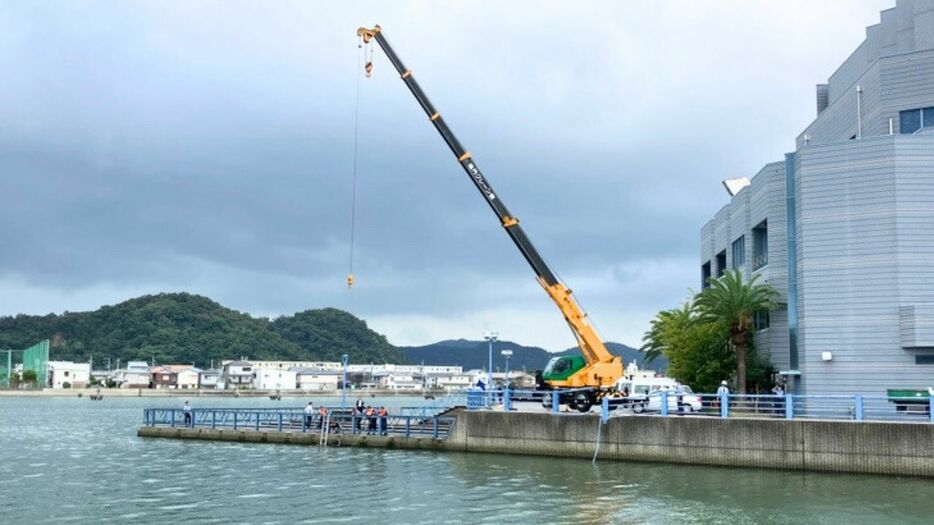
813, 445
806, 445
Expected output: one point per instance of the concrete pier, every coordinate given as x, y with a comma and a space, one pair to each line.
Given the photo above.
807, 445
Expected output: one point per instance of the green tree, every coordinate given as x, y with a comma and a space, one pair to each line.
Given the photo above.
732, 302
698, 352
658, 339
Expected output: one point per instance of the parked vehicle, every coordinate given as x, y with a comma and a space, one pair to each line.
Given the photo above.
653, 401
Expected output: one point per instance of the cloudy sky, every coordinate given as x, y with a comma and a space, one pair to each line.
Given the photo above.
208, 147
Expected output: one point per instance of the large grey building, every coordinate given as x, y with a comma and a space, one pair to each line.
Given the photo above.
843, 227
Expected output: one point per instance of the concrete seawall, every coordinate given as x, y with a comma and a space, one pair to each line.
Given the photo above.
833, 446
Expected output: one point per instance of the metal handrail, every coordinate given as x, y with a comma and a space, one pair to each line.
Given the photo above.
342, 421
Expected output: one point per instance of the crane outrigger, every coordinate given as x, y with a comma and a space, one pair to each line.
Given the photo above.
596, 370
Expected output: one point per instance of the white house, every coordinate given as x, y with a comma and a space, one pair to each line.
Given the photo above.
274, 380
188, 378
316, 379
135, 375
400, 380
209, 378
77, 375
236, 374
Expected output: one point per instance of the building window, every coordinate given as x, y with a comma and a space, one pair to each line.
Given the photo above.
760, 245
924, 359
739, 252
912, 120
760, 320
721, 263
705, 274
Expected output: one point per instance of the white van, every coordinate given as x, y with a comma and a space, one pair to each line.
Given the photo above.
643, 386
644, 394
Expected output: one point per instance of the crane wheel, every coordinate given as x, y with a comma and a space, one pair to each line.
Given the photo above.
582, 402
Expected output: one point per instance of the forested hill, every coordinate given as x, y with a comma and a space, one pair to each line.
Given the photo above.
185, 328
475, 354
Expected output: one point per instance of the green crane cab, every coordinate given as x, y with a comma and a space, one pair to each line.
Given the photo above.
563, 367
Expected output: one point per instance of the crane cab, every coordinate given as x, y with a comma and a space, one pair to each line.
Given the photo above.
561, 368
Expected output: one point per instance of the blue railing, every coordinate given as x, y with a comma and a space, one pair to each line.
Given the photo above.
855, 407
341, 421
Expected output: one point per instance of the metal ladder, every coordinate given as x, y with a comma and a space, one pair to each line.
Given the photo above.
325, 430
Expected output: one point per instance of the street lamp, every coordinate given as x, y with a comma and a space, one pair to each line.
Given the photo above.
490, 337
507, 354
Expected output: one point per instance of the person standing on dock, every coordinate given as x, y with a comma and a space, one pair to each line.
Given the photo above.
383, 413
371, 416
359, 408
186, 410
309, 414
322, 415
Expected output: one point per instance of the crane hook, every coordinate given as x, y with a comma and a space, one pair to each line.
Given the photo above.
369, 69
350, 280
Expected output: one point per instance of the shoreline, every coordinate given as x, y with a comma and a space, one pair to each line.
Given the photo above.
148, 392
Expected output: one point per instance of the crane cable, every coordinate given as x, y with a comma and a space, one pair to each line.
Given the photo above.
353, 192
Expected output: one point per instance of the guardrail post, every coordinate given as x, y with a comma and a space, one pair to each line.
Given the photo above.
213, 419
280, 421
173, 418
235, 421
435, 428
408, 426
789, 406
664, 398
605, 409
507, 400
724, 405
257, 421
931, 408
353, 424
555, 405
858, 407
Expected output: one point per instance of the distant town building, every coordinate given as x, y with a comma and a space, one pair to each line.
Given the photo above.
188, 378
209, 378
236, 374
76, 375
135, 375
843, 227
274, 379
316, 379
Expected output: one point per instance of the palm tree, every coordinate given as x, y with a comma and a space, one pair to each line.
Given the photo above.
656, 339
732, 301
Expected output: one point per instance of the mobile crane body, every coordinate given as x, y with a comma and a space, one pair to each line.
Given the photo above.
596, 369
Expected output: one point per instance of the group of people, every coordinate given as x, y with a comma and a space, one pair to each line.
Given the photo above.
377, 418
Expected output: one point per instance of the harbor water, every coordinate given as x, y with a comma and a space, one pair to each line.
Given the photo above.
70, 460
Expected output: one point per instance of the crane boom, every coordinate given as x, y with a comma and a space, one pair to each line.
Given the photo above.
603, 368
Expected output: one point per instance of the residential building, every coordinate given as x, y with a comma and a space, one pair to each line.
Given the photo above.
162, 376
75, 375
135, 375
286, 365
843, 227
236, 374
316, 379
188, 378
274, 379
208, 379
399, 380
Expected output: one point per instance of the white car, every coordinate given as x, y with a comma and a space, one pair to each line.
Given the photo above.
653, 401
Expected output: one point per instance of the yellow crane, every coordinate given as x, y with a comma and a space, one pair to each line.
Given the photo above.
596, 370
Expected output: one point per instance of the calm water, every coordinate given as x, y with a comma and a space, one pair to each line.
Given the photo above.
71, 460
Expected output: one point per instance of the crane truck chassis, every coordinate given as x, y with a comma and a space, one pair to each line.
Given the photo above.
594, 373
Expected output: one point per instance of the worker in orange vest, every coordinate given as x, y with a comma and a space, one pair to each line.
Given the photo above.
322, 415
371, 416
383, 413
